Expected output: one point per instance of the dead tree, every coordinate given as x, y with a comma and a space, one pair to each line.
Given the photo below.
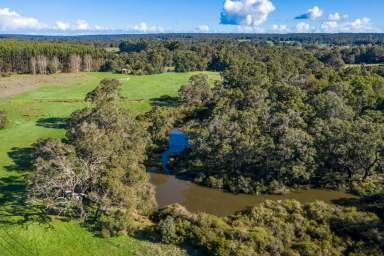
87, 63
75, 63
42, 64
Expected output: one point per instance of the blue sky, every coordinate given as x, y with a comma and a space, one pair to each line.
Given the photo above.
152, 16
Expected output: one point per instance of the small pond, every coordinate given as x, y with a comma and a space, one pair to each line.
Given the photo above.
170, 189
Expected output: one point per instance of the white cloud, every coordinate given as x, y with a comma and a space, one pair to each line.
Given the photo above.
280, 28
329, 26
303, 27
312, 14
82, 25
334, 17
203, 29
61, 25
246, 12
11, 20
144, 28
315, 12
355, 26
358, 23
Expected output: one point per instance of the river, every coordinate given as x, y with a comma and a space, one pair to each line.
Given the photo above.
170, 189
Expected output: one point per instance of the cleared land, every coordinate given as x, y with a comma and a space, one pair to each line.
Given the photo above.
38, 111
16, 84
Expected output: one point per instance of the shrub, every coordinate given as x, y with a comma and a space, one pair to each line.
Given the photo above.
168, 231
276, 228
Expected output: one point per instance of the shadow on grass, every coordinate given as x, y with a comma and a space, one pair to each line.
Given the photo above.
165, 101
22, 159
53, 122
14, 208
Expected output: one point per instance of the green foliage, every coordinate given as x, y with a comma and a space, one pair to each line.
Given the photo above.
278, 228
133, 46
268, 127
97, 172
189, 61
168, 231
107, 91
23, 56
197, 91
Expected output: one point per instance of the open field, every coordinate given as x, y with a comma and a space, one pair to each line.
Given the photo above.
38, 111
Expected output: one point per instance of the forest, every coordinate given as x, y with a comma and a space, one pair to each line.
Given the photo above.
284, 116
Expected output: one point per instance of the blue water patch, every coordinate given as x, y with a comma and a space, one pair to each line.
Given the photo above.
177, 143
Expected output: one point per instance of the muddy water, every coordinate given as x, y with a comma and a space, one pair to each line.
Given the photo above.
170, 189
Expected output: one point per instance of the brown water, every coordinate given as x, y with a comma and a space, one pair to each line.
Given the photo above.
197, 198
170, 190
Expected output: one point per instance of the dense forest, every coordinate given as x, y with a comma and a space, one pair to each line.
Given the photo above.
48, 57
281, 118
151, 55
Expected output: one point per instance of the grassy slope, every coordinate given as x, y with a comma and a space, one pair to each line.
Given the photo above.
32, 116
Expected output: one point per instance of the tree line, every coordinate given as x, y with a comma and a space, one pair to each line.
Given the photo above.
39, 57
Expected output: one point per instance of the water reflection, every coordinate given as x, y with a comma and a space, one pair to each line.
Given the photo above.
177, 143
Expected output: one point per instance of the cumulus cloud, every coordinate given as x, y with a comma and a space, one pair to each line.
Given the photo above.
82, 25
303, 27
311, 14
337, 26
246, 12
61, 25
203, 29
144, 28
11, 20
280, 28
334, 17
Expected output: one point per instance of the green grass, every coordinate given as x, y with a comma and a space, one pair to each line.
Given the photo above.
35, 114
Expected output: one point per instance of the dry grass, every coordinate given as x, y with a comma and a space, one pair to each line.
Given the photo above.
16, 84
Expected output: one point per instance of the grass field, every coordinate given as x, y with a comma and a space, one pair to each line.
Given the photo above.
38, 112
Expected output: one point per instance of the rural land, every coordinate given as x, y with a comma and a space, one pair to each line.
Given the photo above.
145, 141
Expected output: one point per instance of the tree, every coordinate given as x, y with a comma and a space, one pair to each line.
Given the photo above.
353, 149
98, 170
107, 91
197, 91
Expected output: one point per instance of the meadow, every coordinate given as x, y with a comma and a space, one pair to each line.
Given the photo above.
40, 112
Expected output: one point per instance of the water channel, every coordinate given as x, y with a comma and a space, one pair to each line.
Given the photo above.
170, 189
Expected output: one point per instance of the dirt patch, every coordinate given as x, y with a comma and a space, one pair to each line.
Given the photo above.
16, 84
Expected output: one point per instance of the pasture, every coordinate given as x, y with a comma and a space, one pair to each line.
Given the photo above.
39, 111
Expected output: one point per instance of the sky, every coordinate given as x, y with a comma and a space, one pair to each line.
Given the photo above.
75, 17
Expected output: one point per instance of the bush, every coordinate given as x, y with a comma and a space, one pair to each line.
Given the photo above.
276, 228
168, 231
3, 119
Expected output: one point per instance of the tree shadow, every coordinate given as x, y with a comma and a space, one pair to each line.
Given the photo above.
22, 159
14, 207
148, 234
372, 203
53, 122
165, 101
